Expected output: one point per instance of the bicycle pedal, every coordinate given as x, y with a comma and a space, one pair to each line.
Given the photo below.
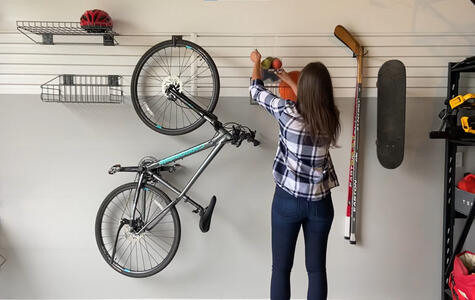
114, 169
205, 219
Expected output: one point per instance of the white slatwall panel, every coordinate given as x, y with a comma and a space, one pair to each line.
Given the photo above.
24, 66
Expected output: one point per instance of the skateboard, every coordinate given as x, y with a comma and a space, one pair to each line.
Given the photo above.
391, 113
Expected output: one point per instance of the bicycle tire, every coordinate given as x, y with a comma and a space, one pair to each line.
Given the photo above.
139, 102
106, 253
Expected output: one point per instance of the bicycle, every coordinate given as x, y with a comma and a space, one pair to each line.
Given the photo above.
137, 226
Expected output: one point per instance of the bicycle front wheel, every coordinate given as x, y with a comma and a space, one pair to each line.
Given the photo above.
137, 254
184, 65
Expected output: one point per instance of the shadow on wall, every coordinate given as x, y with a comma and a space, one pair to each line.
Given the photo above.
3, 259
9, 257
421, 118
430, 5
420, 5
230, 165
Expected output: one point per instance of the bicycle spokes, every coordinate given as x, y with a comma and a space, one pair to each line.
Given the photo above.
184, 66
124, 242
188, 72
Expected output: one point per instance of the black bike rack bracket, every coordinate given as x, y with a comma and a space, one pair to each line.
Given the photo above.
108, 40
176, 38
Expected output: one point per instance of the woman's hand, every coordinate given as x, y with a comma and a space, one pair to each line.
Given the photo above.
255, 57
284, 76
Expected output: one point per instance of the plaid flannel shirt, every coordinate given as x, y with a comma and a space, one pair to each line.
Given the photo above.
301, 167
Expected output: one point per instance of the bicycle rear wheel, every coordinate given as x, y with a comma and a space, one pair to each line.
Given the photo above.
186, 66
137, 255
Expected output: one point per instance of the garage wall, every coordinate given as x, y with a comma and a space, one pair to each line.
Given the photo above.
25, 66
229, 30
54, 157
54, 176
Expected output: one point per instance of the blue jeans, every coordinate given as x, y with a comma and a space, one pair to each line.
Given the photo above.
288, 214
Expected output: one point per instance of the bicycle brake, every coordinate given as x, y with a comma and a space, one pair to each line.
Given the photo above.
252, 138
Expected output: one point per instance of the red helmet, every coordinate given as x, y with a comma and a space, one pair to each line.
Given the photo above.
96, 19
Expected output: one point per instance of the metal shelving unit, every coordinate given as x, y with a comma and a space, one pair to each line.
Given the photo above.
48, 29
454, 205
68, 88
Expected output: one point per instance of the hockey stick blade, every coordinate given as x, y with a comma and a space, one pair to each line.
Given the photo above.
346, 38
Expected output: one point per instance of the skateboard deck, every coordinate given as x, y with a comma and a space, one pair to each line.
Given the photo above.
391, 113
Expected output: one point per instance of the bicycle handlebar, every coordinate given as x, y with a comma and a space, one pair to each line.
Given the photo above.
238, 135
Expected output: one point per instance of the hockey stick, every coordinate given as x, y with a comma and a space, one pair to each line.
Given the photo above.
358, 51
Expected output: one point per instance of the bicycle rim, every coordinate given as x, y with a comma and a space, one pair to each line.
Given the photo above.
185, 65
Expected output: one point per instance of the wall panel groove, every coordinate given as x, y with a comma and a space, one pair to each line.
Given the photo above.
24, 65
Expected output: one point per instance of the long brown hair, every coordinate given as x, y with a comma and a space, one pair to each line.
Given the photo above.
316, 105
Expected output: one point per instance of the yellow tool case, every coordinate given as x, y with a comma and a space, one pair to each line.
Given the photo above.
468, 99
463, 107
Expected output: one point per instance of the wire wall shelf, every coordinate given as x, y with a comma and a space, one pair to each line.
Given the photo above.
68, 88
47, 29
271, 87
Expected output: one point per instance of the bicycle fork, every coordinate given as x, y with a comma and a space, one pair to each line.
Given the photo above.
134, 209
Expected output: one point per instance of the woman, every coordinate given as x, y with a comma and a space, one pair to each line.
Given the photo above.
303, 173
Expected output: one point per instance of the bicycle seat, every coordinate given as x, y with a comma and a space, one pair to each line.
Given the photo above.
205, 219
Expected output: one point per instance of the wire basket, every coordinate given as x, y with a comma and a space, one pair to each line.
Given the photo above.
47, 29
271, 82
69, 88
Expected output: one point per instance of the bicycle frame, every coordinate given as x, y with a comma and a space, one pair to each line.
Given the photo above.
216, 142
